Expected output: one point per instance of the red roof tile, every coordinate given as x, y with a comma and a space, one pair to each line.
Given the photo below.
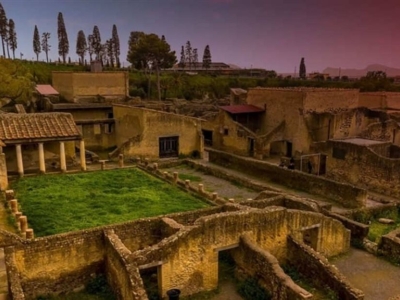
35, 126
46, 89
241, 109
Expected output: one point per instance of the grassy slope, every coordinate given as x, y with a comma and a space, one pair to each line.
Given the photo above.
62, 203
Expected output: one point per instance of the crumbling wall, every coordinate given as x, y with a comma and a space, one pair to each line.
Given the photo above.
316, 267
348, 195
123, 276
362, 166
389, 246
260, 264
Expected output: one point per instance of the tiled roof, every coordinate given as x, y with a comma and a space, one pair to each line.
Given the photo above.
68, 106
36, 126
46, 89
241, 109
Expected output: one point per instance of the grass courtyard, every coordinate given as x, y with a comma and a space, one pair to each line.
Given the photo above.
67, 202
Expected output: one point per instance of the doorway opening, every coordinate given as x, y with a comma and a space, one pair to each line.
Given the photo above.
150, 277
169, 146
208, 137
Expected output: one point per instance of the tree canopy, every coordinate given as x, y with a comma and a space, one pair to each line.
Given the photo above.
81, 46
302, 69
36, 42
207, 57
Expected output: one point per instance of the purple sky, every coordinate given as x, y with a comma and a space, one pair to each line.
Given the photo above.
271, 34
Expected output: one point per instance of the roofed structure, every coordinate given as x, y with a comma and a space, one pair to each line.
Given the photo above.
46, 89
35, 127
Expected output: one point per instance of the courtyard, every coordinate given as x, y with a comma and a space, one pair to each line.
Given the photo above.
68, 202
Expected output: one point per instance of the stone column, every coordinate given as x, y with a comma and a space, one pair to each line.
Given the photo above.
20, 164
42, 165
63, 162
83, 155
3, 173
121, 160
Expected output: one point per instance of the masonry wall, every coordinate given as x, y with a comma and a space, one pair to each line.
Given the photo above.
138, 131
316, 267
372, 100
366, 168
389, 246
190, 257
98, 136
346, 194
282, 104
332, 101
3, 172
73, 85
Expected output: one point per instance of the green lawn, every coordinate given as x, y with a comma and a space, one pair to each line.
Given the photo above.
62, 203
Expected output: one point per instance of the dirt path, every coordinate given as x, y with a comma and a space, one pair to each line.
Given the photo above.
377, 278
224, 188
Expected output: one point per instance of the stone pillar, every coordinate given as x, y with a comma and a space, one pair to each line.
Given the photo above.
13, 205
201, 188
63, 161
83, 155
187, 183
121, 160
10, 194
20, 164
17, 215
175, 177
3, 173
214, 196
23, 221
103, 165
155, 166
42, 165
29, 234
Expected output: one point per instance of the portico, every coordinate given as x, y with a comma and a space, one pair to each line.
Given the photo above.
34, 135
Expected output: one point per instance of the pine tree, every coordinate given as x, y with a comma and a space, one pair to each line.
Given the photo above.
36, 42
63, 44
195, 58
302, 69
183, 58
3, 27
116, 46
81, 46
207, 58
109, 50
90, 46
188, 54
12, 36
45, 44
96, 43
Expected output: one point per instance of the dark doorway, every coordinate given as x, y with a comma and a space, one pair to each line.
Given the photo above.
169, 146
208, 137
251, 146
150, 282
322, 165
289, 147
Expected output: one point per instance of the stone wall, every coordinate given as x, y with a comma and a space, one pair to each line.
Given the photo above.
3, 172
75, 85
372, 100
364, 167
389, 246
316, 267
138, 131
330, 100
347, 195
259, 263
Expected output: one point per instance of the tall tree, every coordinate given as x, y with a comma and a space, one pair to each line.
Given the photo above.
195, 57
63, 44
151, 52
188, 54
12, 36
116, 46
207, 58
96, 42
81, 46
182, 59
110, 51
302, 69
90, 46
45, 44
3, 27
36, 42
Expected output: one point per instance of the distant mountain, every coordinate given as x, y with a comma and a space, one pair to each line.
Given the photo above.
390, 72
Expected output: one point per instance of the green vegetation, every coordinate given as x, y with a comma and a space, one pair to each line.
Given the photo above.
96, 289
63, 203
192, 178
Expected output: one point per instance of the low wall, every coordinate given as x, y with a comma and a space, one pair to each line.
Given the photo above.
358, 230
123, 277
15, 290
389, 246
347, 195
316, 267
261, 264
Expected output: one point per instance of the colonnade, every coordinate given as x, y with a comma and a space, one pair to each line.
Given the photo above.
42, 164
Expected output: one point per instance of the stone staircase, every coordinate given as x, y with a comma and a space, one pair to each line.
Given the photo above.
3, 277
